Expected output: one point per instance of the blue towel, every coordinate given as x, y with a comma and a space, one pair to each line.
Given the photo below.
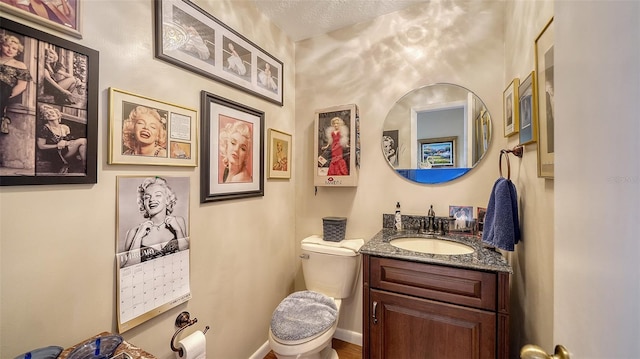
501, 224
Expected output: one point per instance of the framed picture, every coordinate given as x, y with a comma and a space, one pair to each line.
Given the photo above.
337, 146
152, 237
510, 111
390, 147
279, 153
437, 152
461, 218
545, 89
232, 150
481, 213
527, 106
49, 125
61, 15
144, 131
189, 37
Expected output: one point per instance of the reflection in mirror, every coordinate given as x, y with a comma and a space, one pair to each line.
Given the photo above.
436, 133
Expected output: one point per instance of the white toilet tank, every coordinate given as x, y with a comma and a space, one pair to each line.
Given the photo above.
331, 268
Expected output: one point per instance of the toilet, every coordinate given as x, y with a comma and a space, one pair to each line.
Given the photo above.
303, 324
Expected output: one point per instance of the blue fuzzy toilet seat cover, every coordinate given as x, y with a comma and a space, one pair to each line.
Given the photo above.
303, 315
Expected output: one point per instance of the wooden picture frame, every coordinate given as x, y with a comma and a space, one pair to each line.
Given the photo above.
510, 108
545, 90
437, 152
189, 37
279, 154
232, 150
64, 17
59, 79
145, 131
527, 110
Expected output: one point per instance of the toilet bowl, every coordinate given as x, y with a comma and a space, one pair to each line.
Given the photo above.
303, 324
312, 343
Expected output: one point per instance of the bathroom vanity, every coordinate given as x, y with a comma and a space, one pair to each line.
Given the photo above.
429, 305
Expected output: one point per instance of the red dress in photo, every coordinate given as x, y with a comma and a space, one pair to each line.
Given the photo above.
338, 166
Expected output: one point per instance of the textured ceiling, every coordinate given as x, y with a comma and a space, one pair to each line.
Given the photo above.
302, 19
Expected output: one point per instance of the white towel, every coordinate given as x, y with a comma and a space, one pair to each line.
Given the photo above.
353, 244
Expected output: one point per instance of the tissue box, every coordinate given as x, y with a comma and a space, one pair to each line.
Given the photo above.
334, 228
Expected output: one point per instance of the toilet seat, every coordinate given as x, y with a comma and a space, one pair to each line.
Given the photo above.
302, 317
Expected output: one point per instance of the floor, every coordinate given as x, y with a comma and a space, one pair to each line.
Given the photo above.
345, 350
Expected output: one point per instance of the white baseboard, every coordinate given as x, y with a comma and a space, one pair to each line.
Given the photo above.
342, 334
262, 351
348, 336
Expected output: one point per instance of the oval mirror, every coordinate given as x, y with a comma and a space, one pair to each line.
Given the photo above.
436, 133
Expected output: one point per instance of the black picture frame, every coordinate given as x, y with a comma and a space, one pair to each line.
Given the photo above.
220, 117
190, 38
28, 157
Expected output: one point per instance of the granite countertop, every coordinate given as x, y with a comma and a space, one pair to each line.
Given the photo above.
482, 258
124, 347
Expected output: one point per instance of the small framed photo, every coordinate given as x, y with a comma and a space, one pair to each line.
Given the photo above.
48, 109
144, 131
437, 152
545, 88
481, 213
461, 218
232, 150
189, 37
60, 15
279, 153
510, 111
527, 106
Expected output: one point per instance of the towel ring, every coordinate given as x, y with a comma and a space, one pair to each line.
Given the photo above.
518, 151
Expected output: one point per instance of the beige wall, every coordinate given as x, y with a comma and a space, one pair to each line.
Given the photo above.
59, 275
58, 242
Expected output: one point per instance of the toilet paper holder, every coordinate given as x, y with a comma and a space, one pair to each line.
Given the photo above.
182, 321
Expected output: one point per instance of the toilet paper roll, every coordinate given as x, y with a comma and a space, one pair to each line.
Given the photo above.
193, 347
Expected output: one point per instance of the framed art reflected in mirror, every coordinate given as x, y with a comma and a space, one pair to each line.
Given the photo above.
437, 152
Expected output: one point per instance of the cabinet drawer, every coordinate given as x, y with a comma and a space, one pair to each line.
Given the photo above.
452, 285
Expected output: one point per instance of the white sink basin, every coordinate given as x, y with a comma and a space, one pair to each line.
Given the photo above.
431, 245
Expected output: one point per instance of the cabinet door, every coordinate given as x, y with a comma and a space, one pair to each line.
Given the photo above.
407, 327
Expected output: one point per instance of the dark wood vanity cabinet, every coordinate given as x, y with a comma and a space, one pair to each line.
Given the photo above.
418, 310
